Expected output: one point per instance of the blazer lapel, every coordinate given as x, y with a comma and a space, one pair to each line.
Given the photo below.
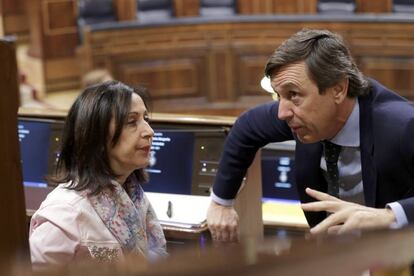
307, 163
309, 174
369, 174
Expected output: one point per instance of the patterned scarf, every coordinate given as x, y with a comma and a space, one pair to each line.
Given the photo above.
128, 214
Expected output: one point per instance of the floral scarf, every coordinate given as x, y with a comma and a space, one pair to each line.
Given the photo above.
129, 216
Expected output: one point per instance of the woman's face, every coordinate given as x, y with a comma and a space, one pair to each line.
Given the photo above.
133, 148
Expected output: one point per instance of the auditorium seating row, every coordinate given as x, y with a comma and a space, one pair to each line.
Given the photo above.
197, 65
209, 64
92, 11
14, 12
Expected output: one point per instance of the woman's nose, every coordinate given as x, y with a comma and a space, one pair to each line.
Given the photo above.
148, 131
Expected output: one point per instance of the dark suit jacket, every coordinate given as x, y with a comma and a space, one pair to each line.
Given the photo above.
386, 143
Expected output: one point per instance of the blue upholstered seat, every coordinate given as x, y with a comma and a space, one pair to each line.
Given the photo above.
93, 12
217, 7
336, 6
154, 10
403, 6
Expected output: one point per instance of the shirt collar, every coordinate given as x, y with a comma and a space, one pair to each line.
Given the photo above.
348, 136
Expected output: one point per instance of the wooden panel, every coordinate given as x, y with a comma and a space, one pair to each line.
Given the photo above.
126, 10
389, 39
308, 6
220, 76
53, 30
59, 28
186, 7
13, 235
377, 6
395, 73
248, 203
59, 17
16, 24
2, 31
12, 6
13, 17
250, 74
36, 30
61, 74
169, 78
60, 68
53, 41
255, 6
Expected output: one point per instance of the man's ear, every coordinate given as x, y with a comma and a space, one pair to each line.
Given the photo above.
340, 90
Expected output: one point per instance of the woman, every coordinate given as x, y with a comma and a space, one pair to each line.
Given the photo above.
99, 209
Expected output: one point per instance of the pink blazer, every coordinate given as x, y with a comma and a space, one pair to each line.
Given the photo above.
66, 228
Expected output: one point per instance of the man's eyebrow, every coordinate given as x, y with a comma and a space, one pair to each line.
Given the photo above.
289, 85
286, 85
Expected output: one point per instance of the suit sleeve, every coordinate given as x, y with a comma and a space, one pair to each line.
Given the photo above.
408, 148
252, 130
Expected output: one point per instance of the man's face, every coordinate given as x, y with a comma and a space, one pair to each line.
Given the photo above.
310, 115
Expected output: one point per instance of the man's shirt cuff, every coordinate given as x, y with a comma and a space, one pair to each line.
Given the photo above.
400, 216
221, 201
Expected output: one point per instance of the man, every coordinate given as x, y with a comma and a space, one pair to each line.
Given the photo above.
325, 100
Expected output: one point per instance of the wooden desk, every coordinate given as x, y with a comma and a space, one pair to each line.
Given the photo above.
377, 252
179, 239
336, 255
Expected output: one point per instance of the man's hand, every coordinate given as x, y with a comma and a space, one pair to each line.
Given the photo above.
223, 223
345, 216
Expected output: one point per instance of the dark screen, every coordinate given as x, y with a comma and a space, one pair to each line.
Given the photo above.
34, 137
171, 163
278, 181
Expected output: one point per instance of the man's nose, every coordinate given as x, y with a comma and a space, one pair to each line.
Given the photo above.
285, 110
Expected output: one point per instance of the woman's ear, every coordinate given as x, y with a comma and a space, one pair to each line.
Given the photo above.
340, 90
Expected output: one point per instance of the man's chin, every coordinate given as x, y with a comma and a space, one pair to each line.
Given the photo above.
306, 139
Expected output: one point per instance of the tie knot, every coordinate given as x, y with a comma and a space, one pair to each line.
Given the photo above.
331, 151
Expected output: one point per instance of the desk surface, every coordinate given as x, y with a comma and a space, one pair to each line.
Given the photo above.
275, 214
284, 213
184, 119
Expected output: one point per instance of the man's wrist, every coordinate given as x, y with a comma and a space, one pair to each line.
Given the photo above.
221, 201
390, 216
400, 218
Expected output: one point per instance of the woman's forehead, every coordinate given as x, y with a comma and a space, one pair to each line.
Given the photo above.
137, 104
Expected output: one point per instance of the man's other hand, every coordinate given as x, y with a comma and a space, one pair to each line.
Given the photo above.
223, 223
346, 217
